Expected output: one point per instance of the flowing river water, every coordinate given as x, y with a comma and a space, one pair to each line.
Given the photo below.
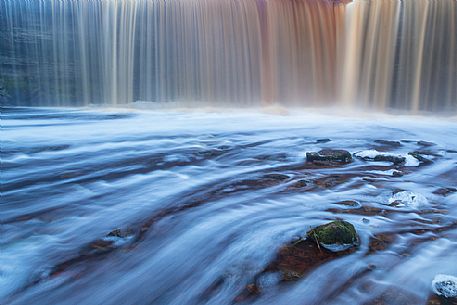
167, 207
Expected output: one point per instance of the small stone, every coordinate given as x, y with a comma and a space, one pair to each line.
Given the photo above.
445, 191
397, 174
445, 285
371, 266
351, 203
302, 183
119, 233
323, 140
253, 288
329, 156
276, 176
388, 143
425, 143
290, 275
338, 235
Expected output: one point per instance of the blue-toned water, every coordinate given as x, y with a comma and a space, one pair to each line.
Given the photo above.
204, 201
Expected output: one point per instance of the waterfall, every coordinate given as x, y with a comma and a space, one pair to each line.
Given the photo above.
369, 54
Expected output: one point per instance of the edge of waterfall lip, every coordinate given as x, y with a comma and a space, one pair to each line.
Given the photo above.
274, 110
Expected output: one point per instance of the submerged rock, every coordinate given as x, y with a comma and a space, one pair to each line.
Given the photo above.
407, 198
119, 237
338, 235
445, 191
275, 176
425, 143
119, 233
351, 203
331, 181
388, 143
445, 285
298, 185
296, 259
329, 156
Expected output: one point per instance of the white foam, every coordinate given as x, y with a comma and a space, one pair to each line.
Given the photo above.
389, 172
409, 199
411, 161
371, 154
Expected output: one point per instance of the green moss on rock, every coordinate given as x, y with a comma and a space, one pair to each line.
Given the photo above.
335, 236
329, 156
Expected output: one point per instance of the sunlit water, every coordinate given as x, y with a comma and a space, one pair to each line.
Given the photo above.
203, 212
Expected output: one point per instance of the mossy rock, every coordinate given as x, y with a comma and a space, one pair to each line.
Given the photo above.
329, 156
338, 235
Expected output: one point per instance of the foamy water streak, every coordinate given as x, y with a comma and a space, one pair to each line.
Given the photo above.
372, 54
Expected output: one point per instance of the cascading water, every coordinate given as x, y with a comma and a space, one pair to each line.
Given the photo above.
363, 54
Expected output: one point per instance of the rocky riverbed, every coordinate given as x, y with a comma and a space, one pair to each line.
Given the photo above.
143, 207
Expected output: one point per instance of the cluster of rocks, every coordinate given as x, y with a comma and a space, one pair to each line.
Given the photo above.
332, 157
338, 238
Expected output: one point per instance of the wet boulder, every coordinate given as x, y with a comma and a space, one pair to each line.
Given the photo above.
329, 157
338, 235
445, 286
322, 244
